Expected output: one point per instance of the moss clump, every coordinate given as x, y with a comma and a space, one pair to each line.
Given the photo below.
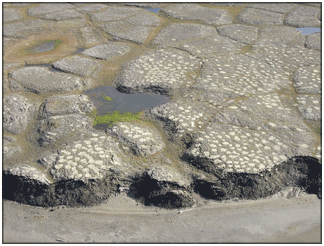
108, 98
114, 117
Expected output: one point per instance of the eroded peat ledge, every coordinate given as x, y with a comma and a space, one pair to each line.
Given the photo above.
191, 102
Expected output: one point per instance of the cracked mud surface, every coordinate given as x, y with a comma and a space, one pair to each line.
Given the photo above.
242, 121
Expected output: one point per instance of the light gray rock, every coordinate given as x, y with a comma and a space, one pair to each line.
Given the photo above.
87, 159
143, 141
29, 28
176, 34
160, 71
46, 8
262, 112
135, 28
240, 75
280, 56
10, 147
63, 15
144, 18
90, 8
241, 33
303, 16
41, 80
123, 30
61, 129
310, 106
314, 41
274, 7
289, 192
113, 13
17, 113
180, 118
90, 35
5, 83
209, 16
11, 14
308, 80
107, 51
67, 104
259, 17
221, 148
77, 65
213, 46
29, 172
167, 174
281, 35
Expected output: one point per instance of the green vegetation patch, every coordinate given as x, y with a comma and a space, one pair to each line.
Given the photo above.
108, 98
114, 117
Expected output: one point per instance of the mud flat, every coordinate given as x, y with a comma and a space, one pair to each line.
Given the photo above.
279, 220
168, 106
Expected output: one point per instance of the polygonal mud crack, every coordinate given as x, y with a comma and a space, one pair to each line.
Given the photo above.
161, 71
142, 140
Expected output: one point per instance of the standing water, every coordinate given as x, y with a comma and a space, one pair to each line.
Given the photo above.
309, 30
45, 47
107, 99
154, 10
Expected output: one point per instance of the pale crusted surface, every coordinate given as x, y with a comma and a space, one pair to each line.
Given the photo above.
241, 33
17, 113
310, 106
30, 172
77, 65
236, 149
142, 140
40, 80
86, 159
308, 80
196, 12
240, 75
161, 71
259, 17
178, 33
107, 51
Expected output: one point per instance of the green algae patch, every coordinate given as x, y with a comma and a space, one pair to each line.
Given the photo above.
107, 98
109, 119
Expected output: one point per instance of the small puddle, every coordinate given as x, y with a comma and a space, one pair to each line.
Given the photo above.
154, 10
309, 30
79, 51
45, 47
107, 100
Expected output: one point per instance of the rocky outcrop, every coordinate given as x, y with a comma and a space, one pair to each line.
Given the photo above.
161, 71
143, 141
42, 80
17, 113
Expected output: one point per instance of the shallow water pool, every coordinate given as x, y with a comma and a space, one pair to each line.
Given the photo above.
107, 100
309, 30
45, 47
154, 10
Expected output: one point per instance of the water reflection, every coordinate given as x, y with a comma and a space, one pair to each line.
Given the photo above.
309, 30
123, 102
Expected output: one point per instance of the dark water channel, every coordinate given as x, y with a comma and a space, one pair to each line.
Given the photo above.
123, 102
309, 30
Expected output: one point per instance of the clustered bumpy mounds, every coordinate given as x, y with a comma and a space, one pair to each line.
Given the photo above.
242, 121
